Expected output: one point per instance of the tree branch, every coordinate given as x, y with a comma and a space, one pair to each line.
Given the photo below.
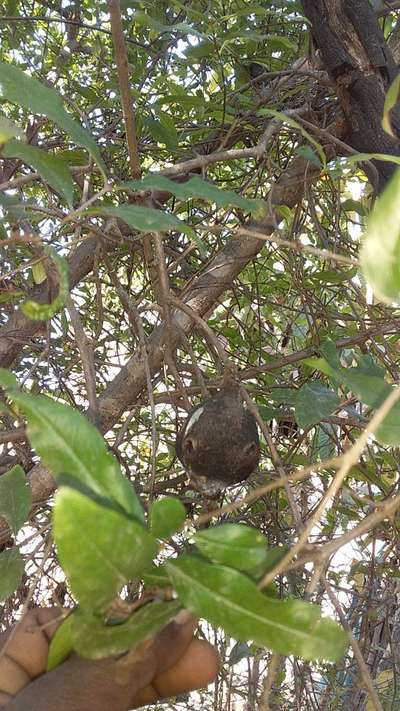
121, 59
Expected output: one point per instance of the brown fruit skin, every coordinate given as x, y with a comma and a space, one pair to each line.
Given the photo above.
219, 444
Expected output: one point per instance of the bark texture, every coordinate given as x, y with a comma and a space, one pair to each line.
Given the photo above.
361, 66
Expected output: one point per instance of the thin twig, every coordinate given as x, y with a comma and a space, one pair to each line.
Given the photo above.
268, 682
348, 459
385, 510
266, 489
275, 458
86, 350
202, 324
121, 59
202, 161
137, 327
364, 671
298, 247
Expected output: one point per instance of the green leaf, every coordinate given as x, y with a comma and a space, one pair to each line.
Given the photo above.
99, 549
39, 273
372, 391
15, 498
229, 599
351, 205
310, 155
94, 640
283, 396
235, 545
15, 209
362, 157
380, 251
61, 645
391, 100
12, 8
269, 413
322, 365
53, 169
11, 570
42, 312
198, 188
171, 134
9, 130
331, 276
367, 381
29, 93
285, 212
279, 42
240, 651
161, 132
367, 366
8, 379
156, 577
323, 445
199, 51
10, 295
314, 402
145, 219
68, 443
167, 515
145, 20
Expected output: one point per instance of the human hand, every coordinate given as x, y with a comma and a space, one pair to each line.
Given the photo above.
172, 663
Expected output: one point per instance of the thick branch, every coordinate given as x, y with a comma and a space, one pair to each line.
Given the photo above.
361, 66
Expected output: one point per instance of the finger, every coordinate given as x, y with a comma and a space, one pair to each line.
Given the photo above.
27, 656
24, 650
76, 685
145, 661
197, 668
172, 641
94, 686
